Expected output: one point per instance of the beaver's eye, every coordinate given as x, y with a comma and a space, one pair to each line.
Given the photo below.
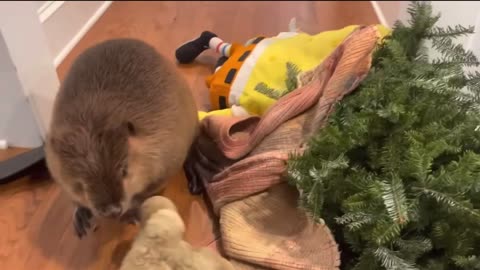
77, 187
124, 171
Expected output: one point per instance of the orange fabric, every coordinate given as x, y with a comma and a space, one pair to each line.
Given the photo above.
216, 81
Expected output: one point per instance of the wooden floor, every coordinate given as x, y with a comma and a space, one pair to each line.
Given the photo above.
36, 218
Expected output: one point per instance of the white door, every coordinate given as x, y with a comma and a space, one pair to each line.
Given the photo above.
28, 82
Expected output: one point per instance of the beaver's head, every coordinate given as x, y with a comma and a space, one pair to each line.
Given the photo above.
92, 167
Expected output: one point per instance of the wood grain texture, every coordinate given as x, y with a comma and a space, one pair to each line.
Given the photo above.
12, 152
36, 217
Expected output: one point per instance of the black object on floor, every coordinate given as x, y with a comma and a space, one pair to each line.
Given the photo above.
187, 52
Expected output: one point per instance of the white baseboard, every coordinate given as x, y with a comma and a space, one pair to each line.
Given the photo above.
48, 8
389, 12
379, 12
79, 35
66, 23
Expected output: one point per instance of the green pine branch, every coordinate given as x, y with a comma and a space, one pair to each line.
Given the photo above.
453, 53
395, 173
291, 83
267, 91
450, 202
366, 261
412, 249
395, 200
472, 81
467, 262
453, 32
356, 221
385, 232
391, 261
292, 74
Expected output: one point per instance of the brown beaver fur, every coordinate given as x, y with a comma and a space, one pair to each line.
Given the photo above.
123, 122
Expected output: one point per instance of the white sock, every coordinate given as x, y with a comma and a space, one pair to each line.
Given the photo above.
219, 46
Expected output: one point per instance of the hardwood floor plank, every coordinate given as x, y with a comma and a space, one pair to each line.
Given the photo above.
11, 152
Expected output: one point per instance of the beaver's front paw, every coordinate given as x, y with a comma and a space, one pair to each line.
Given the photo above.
81, 220
132, 216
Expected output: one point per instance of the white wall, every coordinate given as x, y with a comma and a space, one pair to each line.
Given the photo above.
452, 13
464, 13
34, 38
39, 4
66, 22
17, 122
29, 76
387, 11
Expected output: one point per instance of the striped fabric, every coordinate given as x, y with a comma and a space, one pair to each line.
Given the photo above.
242, 161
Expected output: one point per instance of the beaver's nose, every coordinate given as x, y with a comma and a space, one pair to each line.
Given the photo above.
111, 211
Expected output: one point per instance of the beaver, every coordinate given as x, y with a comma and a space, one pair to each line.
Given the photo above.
123, 122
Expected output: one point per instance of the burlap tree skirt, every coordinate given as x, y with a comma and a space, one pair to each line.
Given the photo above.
269, 230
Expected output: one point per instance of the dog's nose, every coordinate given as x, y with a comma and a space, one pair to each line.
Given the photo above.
111, 211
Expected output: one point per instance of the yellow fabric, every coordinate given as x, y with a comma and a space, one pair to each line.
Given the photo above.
249, 66
304, 50
224, 112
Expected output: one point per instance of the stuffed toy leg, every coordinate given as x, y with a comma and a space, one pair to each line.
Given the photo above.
159, 245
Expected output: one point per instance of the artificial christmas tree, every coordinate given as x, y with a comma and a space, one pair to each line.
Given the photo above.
395, 173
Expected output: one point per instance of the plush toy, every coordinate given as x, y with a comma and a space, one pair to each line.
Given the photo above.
159, 245
250, 77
